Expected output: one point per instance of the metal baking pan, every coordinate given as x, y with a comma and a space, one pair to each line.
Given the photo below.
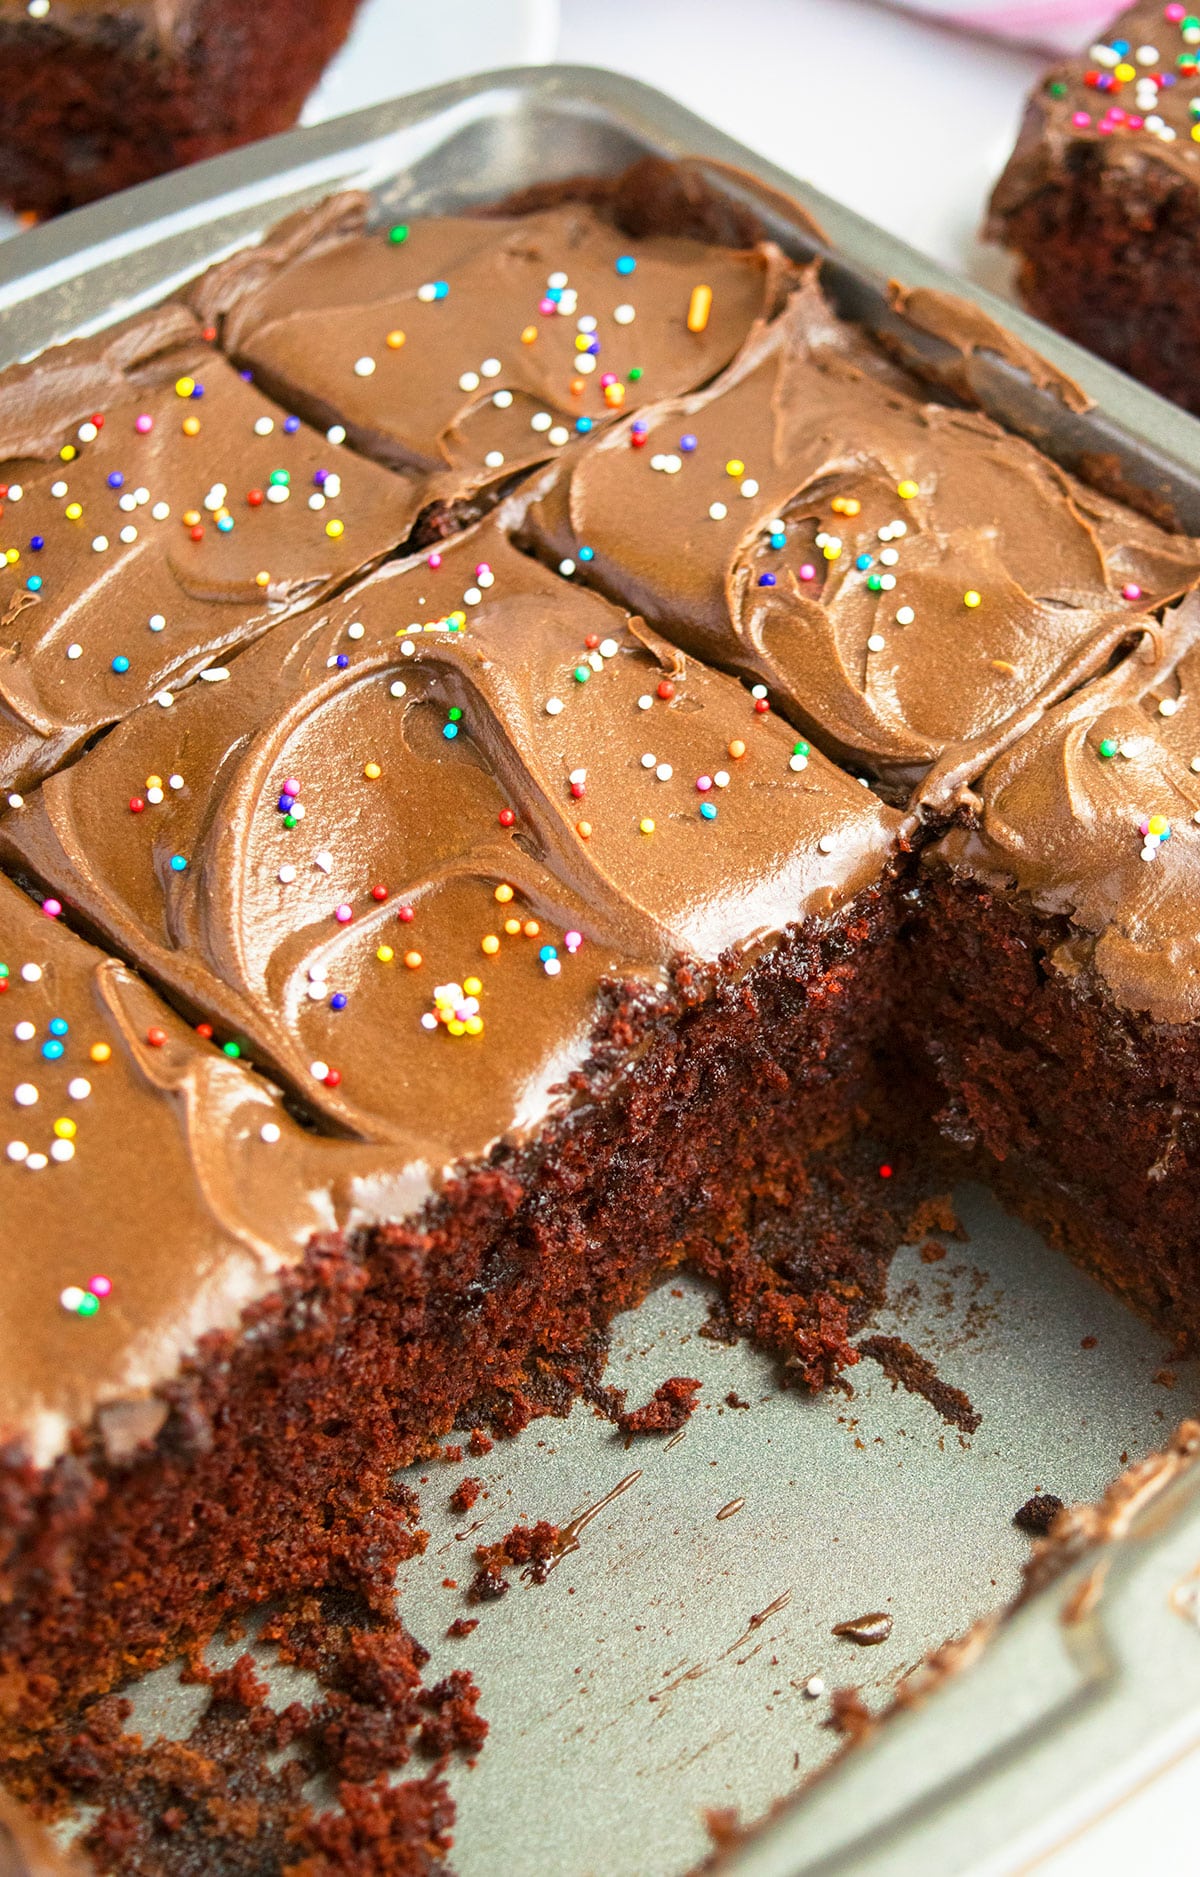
666, 1668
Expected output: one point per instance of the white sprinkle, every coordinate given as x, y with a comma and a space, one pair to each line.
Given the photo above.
664, 772
62, 1151
624, 315
286, 874
876, 642
15, 491
332, 485
278, 492
32, 974
559, 435
494, 459
141, 496
905, 615
129, 534
814, 1687
798, 762
1149, 850
472, 596
16, 801
336, 434
165, 698
569, 302
490, 368
398, 688
1147, 55
99, 543
585, 363
758, 690
889, 557
214, 674
25, 1032
1168, 707
364, 367
578, 776
270, 1132
87, 433
566, 568
554, 706
645, 701
75, 650
826, 844
608, 648
1131, 746
1104, 55
175, 781
154, 797
37, 1163
156, 622
407, 649
323, 860
297, 811
502, 400
469, 381
887, 582
486, 579
541, 420
16, 1150
717, 511
127, 504
318, 1070
58, 488
161, 510
649, 760
552, 967
38, 9
429, 1021
427, 293
25, 1094
79, 1088
721, 778
316, 500
1194, 765
557, 281
749, 486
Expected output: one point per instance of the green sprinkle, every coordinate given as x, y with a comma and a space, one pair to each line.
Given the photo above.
232, 1050
582, 674
1056, 88
398, 234
454, 714
1108, 747
87, 1305
280, 478
801, 748
635, 372
289, 821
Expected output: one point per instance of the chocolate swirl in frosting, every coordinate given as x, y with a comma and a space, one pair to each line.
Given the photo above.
913, 584
498, 777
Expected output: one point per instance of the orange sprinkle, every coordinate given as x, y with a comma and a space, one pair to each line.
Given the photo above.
491, 944
737, 749
699, 308
531, 928
584, 830
412, 960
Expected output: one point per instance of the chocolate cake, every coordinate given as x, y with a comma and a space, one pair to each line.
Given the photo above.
1100, 199
99, 96
528, 911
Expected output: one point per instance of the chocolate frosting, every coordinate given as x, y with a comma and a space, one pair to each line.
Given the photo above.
1066, 114
1062, 813
476, 348
191, 1210
934, 582
633, 835
118, 574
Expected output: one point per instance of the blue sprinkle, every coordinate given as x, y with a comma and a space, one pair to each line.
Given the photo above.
59, 1026
178, 863
554, 295
592, 347
37, 542
587, 553
450, 731
52, 1051
247, 377
291, 424
583, 425
116, 480
1120, 46
708, 811
342, 661
766, 580
34, 583
338, 1001
548, 952
625, 263
687, 443
197, 391
120, 663
862, 562
778, 540
286, 803
440, 289
224, 524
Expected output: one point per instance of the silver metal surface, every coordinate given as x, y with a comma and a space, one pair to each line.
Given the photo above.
632, 1691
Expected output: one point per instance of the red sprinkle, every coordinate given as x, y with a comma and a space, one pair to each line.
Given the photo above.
506, 817
197, 533
156, 1037
592, 641
333, 1078
205, 1030
136, 804
885, 1172
666, 690
255, 498
762, 705
405, 915
379, 893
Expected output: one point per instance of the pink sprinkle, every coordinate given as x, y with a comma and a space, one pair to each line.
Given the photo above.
808, 571
1080, 119
1135, 123
435, 560
100, 1286
1131, 592
482, 569
1116, 114
572, 940
1106, 129
607, 378
1174, 13
143, 424
291, 787
704, 783
547, 307
1144, 827
343, 914
51, 908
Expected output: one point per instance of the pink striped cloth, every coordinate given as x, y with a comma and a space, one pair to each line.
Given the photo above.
1057, 25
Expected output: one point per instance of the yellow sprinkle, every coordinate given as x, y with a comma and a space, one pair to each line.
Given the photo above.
971, 598
457, 618
68, 453
192, 518
737, 749
831, 552
395, 339
735, 467
846, 505
1003, 665
1125, 73
191, 426
1157, 824
907, 489
472, 986
614, 394
412, 960
490, 945
531, 928
457, 1027
184, 387
699, 308
385, 954
372, 771
154, 782
262, 580
512, 927
646, 826
504, 893
584, 830
334, 529
73, 511
12, 555
582, 341
65, 1129
100, 1052
528, 335
1196, 133
474, 1026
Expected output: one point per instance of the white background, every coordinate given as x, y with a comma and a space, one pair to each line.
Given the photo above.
907, 123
